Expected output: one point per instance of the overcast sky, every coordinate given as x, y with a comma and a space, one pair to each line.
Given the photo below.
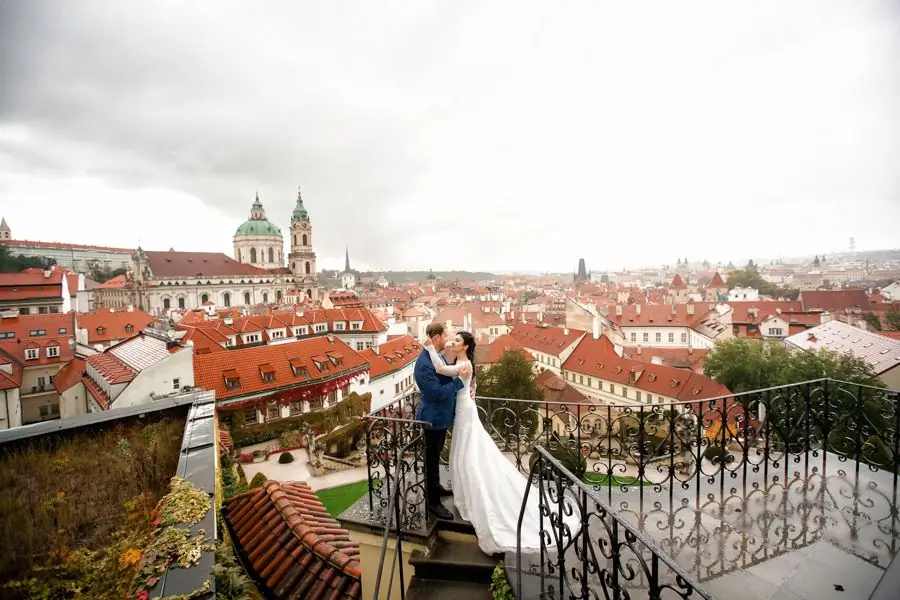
468, 135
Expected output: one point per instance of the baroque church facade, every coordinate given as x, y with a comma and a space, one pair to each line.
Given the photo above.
163, 281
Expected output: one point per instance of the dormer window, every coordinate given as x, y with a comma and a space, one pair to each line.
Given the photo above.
232, 379
267, 372
129, 328
298, 368
336, 358
32, 354
321, 362
101, 330
356, 325
52, 351
321, 328
339, 326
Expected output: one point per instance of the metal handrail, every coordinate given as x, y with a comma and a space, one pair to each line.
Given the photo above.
541, 454
395, 502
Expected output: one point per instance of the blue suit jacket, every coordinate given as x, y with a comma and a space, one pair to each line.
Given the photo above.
438, 402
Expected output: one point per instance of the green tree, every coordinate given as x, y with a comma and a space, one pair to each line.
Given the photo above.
743, 365
893, 319
11, 263
872, 321
102, 274
511, 378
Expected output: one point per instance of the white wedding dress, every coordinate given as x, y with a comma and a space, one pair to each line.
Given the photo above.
488, 489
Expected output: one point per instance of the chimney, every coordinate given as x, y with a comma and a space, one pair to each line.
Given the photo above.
690, 350
130, 308
618, 310
639, 350
47, 273
690, 308
565, 331
637, 308
596, 328
656, 360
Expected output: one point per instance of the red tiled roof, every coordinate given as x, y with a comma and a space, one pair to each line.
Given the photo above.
30, 292
57, 330
488, 354
660, 315
114, 324
69, 375
598, 358
677, 283
63, 246
681, 358
717, 282
741, 310
96, 393
370, 323
209, 368
117, 282
294, 548
31, 277
557, 390
894, 335
392, 356
835, 300
549, 340
111, 368
9, 381
192, 264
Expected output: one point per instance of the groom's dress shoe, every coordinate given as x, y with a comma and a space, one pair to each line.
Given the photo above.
444, 492
440, 511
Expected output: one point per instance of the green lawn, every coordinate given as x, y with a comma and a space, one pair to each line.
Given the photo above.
604, 479
338, 499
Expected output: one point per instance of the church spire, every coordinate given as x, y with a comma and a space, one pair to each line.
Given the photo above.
299, 213
346, 259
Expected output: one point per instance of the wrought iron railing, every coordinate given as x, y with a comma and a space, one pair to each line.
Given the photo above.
395, 453
825, 443
602, 552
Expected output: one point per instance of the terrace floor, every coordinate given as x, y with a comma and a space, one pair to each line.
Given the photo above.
829, 531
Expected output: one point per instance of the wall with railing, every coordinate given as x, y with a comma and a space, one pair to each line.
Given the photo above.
662, 457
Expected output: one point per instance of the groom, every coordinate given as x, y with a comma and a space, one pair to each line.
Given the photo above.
437, 406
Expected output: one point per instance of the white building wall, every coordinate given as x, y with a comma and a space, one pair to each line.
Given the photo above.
390, 387
159, 379
10, 409
73, 401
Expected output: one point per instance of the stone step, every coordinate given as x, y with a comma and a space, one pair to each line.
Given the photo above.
436, 589
455, 561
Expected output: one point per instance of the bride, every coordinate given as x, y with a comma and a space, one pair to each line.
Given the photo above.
487, 488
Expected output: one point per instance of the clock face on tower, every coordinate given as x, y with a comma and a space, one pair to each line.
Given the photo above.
304, 225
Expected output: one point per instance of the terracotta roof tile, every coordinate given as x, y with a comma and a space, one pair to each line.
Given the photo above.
717, 281
558, 390
549, 340
69, 375
107, 325
111, 368
491, 353
835, 300
40, 331
63, 246
598, 358
677, 283
209, 369
294, 548
191, 264
391, 356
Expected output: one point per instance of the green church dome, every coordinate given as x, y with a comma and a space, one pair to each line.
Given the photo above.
258, 227
257, 224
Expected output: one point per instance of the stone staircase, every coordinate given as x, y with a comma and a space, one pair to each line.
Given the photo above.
453, 566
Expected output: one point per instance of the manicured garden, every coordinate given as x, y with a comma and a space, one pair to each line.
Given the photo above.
338, 499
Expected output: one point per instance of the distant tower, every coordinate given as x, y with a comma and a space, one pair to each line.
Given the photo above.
852, 245
5, 233
581, 276
302, 258
348, 279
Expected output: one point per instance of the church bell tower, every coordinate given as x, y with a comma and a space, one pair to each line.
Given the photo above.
302, 258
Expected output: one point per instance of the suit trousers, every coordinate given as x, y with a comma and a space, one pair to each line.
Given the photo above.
434, 444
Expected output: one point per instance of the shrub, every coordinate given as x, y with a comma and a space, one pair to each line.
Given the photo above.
258, 479
568, 455
285, 458
717, 454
